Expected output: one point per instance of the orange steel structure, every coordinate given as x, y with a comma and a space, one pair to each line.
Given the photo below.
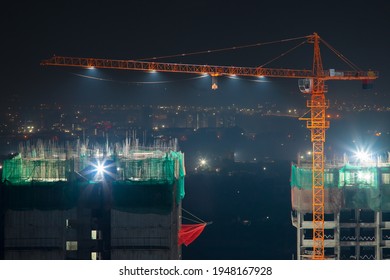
317, 104
317, 125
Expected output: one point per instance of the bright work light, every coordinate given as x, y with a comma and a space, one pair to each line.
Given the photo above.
363, 156
100, 167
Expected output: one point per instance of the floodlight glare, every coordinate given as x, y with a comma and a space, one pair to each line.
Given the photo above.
363, 156
100, 168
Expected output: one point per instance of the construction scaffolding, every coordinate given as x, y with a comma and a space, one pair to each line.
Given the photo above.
357, 210
347, 187
51, 162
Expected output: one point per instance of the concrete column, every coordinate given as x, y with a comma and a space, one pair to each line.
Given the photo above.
357, 234
337, 235
175, 249
299, 234
378, 235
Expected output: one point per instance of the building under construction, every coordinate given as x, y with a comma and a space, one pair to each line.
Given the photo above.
78, 202
357, 209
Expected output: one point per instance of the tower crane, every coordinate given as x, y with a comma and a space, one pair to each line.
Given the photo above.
311, 82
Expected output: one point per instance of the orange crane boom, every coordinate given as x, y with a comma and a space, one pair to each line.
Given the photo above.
202, 69
314, 84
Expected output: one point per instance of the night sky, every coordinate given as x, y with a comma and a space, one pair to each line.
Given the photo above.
32, 31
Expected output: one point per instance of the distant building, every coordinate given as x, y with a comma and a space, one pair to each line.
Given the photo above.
88, 204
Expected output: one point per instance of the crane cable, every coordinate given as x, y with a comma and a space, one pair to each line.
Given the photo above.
199, 220
283, 54
222, 49
191, 220
341, 56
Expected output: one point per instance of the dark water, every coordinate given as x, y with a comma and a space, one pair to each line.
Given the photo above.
250, 213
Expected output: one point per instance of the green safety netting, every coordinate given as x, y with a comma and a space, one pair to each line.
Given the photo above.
347, 187
149, 184
358, 177
138, 184
157, 171
180, 173
302, 177
21, 171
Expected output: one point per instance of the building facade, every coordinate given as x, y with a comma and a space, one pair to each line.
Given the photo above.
112, 206
357, 210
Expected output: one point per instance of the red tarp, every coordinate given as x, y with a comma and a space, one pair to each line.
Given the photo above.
189, 233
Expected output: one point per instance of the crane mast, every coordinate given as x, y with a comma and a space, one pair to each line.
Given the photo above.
316, 123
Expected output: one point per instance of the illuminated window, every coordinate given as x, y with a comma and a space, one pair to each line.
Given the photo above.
348, 178
95, 256
68, 223
361, 178
95, 234
365, 178
386, 178
71, 245
328, 178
